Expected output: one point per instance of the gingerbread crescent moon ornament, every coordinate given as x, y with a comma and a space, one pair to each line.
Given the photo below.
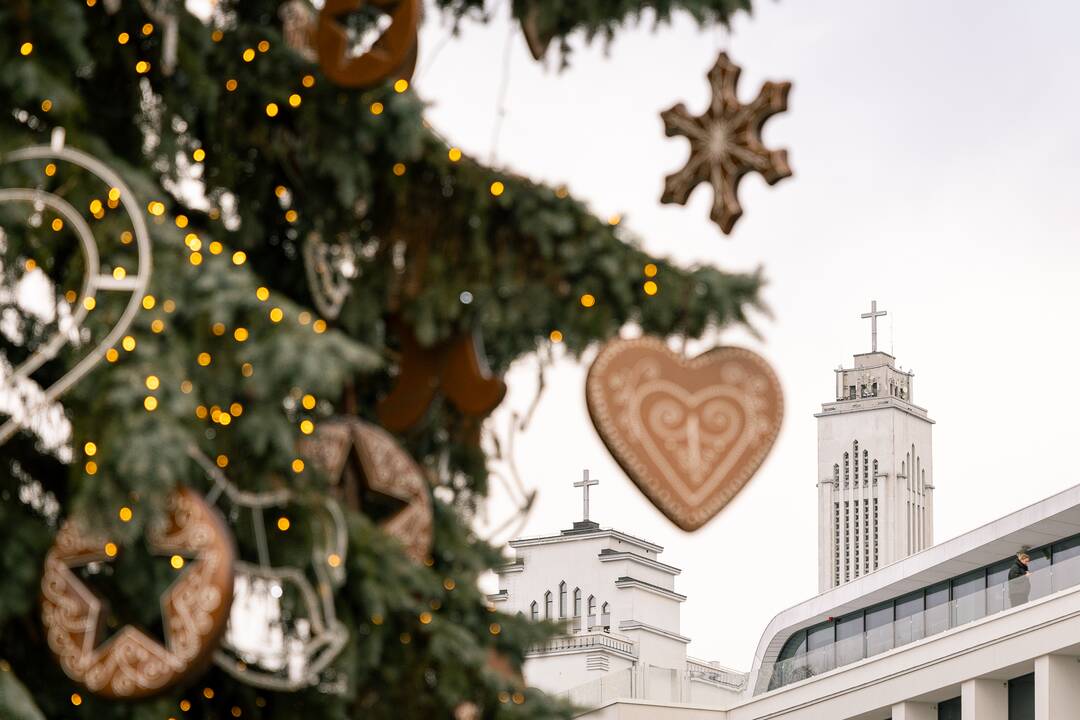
690, 432
392, 55
725, 143
195, 608
456, 368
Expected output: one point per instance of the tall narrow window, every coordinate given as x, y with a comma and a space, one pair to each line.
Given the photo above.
592, 605
577, 602
562, 599
547, 605
534, 611
604, 609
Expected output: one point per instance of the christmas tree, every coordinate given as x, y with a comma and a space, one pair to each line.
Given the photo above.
310, 240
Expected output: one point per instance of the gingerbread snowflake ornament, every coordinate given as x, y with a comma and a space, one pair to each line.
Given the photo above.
725, 143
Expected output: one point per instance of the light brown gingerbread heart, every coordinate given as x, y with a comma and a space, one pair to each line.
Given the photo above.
689, 432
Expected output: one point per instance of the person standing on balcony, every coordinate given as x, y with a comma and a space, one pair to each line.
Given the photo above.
1019, 584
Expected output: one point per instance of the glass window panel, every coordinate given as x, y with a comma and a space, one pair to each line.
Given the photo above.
968, 584
909, 624
819, 637
949, 710
1040, 558
936, 617
879, 629
878, 616
796, 645
849, 639
997, 591
1022, 698
1066, 549
969, 597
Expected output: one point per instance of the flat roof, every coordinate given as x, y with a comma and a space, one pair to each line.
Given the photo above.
575, 535
1054, 518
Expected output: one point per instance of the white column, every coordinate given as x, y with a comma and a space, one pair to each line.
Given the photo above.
982, 699
1057, 686
914, 711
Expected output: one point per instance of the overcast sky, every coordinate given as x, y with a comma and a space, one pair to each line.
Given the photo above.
934, 147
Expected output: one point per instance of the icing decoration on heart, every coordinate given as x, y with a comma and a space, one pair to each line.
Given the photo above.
93, 281
689, 432
392, 55
195, 608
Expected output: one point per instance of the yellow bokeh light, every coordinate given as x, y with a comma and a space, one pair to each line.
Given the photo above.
218, 329
401, 85
222, 461
291, 215
195, 258
201, 412
307, 427
57, 224
650, 270
147, 28
168, 306
90, 449
50, 169
123, 38
204, 359
150, 403
46, 105
333, 560
295, 100
376, 108
89, 303
263, 46
119, 273
308, 81
263, 294
308, 401
217, 36
181, 221
158, 325
152, 382
91, 467
230, 85
216, 247
199, 155
651, 288
112, 355
283, 523
156, 207
497, 188
125, 514
249, 55
186, 387
298, 465
236, 409
126, 237
454, 154
176, 561
26, 48
240, 334
148, 302
142, 67
556, 336
304, 317
399, 169
276, 315
319, 326
111, 549
185, 705
247, 370
271, 109
239, 257
76, 699
587, 300
128, 343
95, 206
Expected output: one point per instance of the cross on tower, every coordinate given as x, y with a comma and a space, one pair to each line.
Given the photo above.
585, 484
873, 315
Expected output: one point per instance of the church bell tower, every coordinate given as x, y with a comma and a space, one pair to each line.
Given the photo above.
875, 469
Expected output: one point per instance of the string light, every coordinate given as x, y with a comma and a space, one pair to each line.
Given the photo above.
90, 449
185, 705
119, 273
283, 523
399, 169
295, 100
50, 169
128, 343
425, 618
333, 560
125, 514
203, 359
401, 85
297, 465
449, 584
111, 549
236, 409
247, 370
307, 427
587, 300
195, 258
230, 84
26, 48
497, 188
405, 638
319, 326
291, 216
123, 38
142, 67
650, 270
152, 382
157, 326
308, 401
249, 55
276, 315
76, 699
235, 711
46, 105
615, 219
178, 562
148, 302
126, 237
240, 334
651, 288
186, 387
217, 36
495, 628
239, 257
271, 109
222, 461
89, 303
454, 154
555, 336
156, 208
308, 81
376, 619
304, 317
264, 45
376, 108
150, 403
199, 155
112, 355
147, 28
201, 412
91, 467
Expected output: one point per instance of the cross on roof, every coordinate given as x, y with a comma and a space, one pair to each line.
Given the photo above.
873, 315
585, 484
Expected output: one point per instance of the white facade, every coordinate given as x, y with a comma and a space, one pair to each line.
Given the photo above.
621, 612
875, 472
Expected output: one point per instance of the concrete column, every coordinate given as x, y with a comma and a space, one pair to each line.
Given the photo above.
914, 711
1057, 686
982, 699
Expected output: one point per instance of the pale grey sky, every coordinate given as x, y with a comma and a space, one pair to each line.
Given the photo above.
933, 146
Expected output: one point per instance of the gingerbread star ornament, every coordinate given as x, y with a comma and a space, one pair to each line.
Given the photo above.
725, 143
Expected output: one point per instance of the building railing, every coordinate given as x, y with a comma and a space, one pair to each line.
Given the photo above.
931, 621
585, 641
648, 682
699, 670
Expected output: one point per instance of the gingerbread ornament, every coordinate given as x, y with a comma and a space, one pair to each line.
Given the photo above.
392, 56
195, 608
374, 475
455, 368
690, 432
725, 143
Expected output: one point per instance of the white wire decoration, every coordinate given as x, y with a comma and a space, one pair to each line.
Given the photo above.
330, 271
259, 647
27, 401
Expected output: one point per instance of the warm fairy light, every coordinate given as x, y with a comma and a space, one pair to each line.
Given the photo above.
283, 523
157, 325
308, 401
195, 258
204, 359
125, 514
95, 206
119, 273
556, 336
304, 317
222, 461
333, 560
148, 302
263, 46
425, 618
399, 169
123, 38
497, 188
615, 219
198, 155
271, 109
70, 296
249, 55
297, 465
89, 303
449, 584
495, 628
230, 84
152, 382
401, 85
126, 237
376, 619
177, 562
147, 28
217, 36
280, 191
307, 427
405, 638
150, 403
308, 81
291, 216
186, 387
247, 370
319, 326
168, 306
236, 712
236, 409
587, 300
90, 449
201, 412
26, 48
376, 108
651, 288
218, 329
193, 242
216, 247
650, 270
239, 257
50, 169
276, 315
185, 705
112, 355
240, 334
128, 343
114, 194
31, 264
46, 105
142, 67
111, 549
295, 100
224, 419
263, 294
76, 699
156, 207
454, 154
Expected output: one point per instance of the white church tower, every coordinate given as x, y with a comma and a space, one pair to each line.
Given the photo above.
875, 469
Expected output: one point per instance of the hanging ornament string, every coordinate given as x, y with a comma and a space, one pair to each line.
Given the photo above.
500, 101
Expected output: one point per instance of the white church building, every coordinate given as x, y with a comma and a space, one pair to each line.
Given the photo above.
902, 629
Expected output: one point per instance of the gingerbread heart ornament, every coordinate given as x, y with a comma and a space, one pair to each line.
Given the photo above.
690, 432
